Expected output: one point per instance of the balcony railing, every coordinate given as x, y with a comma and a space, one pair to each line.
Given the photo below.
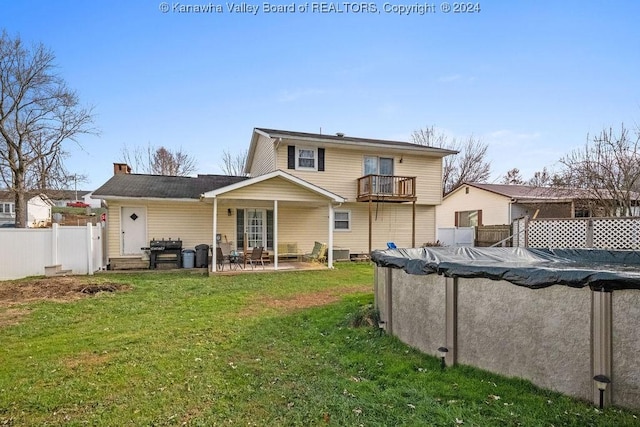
387, 188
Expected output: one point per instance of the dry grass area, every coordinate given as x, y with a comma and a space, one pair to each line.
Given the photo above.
315, 299
60, 289
296, 302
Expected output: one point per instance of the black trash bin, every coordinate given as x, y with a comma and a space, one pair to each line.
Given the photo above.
202, 256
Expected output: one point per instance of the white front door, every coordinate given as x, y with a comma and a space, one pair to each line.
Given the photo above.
134, 230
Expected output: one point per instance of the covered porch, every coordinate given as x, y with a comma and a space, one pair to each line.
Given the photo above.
281, 213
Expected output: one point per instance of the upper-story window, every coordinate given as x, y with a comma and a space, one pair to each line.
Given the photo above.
305, 158
374, 165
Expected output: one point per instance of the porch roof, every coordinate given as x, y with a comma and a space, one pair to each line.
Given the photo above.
271, 175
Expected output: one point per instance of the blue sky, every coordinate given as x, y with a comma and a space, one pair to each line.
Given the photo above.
529, 78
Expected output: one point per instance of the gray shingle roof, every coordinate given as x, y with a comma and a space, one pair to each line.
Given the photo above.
275, 133
523, 192
163, 187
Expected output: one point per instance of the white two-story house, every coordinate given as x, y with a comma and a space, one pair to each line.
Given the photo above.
348, 192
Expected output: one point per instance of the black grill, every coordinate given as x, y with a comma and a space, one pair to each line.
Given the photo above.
165, 251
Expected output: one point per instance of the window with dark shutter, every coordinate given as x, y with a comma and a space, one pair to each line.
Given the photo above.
239, 228
321, 159
291, 157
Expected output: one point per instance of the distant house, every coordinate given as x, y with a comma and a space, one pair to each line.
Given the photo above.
347, 192
474, 204
61, 197
38, 209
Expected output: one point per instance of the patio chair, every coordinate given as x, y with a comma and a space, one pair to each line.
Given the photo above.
226, 249
319, 253
256, 256
220, 258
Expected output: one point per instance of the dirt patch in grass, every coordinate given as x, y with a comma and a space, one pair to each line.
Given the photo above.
60, 289
315, 299
86, 360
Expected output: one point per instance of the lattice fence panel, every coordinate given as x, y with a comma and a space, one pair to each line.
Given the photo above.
616, 233
558, 233
519, 229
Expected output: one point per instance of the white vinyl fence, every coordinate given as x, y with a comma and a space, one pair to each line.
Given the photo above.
456, 236
26, 252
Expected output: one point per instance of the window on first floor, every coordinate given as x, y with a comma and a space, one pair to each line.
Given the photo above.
7, 208
342, 220
468, 218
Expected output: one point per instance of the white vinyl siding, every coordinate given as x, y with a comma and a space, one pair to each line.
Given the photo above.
264, 157
190, 222
494, 207
391, 222
344, 166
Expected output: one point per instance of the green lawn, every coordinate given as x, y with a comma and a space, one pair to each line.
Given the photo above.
269, 349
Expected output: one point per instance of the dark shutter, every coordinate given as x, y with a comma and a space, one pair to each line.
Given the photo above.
321, 159
480, 217
240, 229
456, 215
291, 157
269, 229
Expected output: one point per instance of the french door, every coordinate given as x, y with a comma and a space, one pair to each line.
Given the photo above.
380, 166
256, 225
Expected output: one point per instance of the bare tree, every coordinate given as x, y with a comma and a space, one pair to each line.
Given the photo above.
608, 167
469, 165
513, 177
174, 163
38, 113
159, 161
540, 178
233, 164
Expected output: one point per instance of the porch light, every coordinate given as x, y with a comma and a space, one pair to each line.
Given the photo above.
443, 353
602, 381
229, 212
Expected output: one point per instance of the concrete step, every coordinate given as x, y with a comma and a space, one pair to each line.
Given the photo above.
55, 270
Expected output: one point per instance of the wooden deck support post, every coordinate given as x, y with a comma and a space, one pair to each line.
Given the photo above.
413, 225
370, 224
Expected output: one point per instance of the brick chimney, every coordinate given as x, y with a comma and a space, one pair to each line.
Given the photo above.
121, 168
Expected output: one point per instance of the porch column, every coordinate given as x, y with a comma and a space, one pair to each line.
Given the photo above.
275, 234
214, 261
330, 241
